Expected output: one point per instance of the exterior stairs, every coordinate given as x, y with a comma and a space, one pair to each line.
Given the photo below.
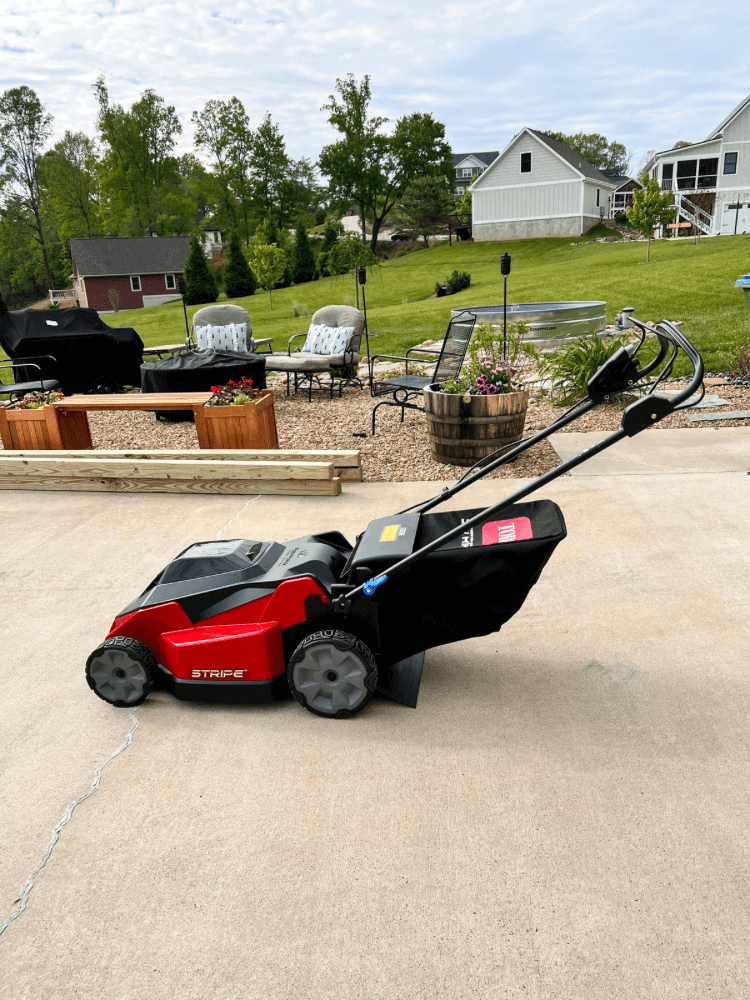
692, 213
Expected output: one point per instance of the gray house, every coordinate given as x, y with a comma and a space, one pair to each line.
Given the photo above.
467, 167
539, 186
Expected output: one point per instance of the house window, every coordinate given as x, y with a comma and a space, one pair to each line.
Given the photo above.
597, 197
730, 163
686, 170
525, 163
467, 171
216, 237
459, 190
169, 279
135, 283
667, 174
707, 170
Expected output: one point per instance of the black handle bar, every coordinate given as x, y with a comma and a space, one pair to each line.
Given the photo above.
615, 376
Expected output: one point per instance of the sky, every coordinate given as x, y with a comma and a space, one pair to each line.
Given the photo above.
645, 74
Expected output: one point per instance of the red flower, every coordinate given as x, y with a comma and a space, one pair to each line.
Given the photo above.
215, 388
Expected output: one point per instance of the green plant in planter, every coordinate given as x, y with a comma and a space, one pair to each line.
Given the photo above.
36, 400
570, 367
490, 369
234, 393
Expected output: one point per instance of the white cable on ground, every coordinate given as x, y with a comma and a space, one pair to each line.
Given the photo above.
21, 901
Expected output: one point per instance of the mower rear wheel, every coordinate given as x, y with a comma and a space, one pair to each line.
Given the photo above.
332, 674
121, 671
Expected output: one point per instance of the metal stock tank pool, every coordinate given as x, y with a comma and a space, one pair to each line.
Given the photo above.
547, 321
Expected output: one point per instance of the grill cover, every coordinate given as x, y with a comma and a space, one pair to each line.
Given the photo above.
86, 350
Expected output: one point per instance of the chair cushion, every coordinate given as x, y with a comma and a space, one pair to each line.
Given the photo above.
327, 340
232, 337
303, 362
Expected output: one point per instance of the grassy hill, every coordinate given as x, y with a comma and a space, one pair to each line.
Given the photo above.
685, 281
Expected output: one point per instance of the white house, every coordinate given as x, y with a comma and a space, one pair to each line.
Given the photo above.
468, 166
710, 180
539, 186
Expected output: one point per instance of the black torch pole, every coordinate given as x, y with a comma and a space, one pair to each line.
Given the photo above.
361, 279
182, 289
505, 271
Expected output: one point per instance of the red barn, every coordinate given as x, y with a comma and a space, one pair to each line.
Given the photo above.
127, 273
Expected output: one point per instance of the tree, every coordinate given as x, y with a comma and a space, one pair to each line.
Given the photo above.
199, 278
463, 204
303, 266
25, 127
71, 186
651, 208
597, 149
268, 263
139, 167
681, 144
239, 280
346, 255
426, 205
268, 162
371, 169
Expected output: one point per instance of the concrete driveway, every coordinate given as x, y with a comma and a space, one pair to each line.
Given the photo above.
565, 815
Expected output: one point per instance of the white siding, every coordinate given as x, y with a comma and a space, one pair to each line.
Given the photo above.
545, 165
529, 201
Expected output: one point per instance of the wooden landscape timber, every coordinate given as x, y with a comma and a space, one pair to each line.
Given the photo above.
230, 471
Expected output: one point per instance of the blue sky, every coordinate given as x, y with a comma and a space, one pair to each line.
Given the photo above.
643, 73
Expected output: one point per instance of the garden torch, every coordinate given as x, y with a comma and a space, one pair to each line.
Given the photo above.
505, 271
361, 279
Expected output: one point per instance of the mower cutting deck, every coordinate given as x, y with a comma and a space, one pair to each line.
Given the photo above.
332, 622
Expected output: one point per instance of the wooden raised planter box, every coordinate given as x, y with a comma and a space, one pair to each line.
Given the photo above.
252, 425
461, 433
43, 429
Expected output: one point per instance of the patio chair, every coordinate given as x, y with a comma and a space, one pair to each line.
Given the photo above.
331, 342
21, 369
225, 327
407, 387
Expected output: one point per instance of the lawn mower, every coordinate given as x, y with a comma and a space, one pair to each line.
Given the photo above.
331, 622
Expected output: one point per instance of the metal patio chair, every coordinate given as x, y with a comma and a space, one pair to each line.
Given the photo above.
408, 387
21, 369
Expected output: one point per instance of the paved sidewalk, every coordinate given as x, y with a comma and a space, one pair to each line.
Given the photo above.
655, 452
565, 815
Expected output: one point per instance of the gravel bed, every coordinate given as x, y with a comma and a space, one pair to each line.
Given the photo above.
398, 452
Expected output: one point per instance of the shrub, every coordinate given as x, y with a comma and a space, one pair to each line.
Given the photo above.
621, 219
456, 282
738, 359
570, 367
199, 279
303, 268
239, 280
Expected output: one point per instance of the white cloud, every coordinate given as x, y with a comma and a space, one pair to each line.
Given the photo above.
636, 72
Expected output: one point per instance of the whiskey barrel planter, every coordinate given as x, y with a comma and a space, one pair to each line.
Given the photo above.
252, 425
461, 433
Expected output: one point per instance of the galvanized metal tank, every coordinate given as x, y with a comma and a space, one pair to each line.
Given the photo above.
547, 321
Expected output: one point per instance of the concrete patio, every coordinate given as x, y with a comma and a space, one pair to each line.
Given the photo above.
565, 814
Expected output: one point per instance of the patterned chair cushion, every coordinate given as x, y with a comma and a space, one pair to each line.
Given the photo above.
327, 340
222, 338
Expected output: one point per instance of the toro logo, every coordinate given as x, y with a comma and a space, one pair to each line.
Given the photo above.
516, 530
219, 675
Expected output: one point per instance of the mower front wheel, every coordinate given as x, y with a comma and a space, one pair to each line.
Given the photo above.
121, 671
332, 674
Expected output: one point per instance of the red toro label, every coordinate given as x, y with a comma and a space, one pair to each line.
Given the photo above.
516, 530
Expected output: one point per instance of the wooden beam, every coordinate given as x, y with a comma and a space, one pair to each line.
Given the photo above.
295, 487
346, 463
171, 469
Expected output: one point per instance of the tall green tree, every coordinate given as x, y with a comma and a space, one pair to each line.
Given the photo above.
651, 208
371, 169
139, 169
222, 130
597, 149
25, 127
426, 205
199, 277
71, 186
268, 163
239, 280
303, 266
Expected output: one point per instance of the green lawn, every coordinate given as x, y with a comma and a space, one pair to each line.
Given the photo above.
685, 281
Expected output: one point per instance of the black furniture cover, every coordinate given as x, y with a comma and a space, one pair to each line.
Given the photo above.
198, 371
87, 351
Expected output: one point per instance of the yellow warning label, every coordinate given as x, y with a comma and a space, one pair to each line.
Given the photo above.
390, 532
